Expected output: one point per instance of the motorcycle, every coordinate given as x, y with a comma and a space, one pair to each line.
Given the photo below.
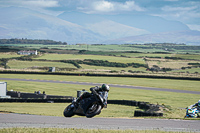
192, 112
88, 107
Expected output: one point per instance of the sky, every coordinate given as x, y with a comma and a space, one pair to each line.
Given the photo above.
185, 11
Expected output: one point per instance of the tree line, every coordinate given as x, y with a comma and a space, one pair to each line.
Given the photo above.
103, 63
31, 41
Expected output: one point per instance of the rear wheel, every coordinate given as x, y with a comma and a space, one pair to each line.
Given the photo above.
68, 112
94, 109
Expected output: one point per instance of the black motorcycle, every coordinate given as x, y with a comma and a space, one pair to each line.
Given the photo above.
88, 107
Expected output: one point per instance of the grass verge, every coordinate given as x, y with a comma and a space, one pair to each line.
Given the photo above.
176, 101
74, 130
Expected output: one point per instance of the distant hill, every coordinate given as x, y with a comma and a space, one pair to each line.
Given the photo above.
101, 25
187, 37
75, 27
25, 23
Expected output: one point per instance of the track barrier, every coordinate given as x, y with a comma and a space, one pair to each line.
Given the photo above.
149, 109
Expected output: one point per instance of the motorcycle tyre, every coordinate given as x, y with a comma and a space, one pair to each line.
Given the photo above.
96, 112
68, 113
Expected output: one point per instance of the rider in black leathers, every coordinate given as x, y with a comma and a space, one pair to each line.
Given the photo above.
101, 92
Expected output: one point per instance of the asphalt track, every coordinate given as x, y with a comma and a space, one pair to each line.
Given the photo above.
36, 121
111, 85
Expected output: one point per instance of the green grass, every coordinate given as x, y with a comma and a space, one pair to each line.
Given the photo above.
122, 53
101, 68
146, 82
192, 70
16, 64
94, 57
175, 100
168, 98
111, 48
56, 109
74, 130
188, 56
9, 55
131, 58
166, 63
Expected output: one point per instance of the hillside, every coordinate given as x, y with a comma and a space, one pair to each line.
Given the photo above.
76, 27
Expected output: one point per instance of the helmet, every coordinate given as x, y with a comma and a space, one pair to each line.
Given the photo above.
105, 87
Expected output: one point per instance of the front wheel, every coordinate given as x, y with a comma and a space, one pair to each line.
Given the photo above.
68, 112
94, 109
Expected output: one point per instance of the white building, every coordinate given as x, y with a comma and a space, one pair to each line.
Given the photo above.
25, 52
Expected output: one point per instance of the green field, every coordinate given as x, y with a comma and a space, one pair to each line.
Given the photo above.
174, 48
94, 57
151, 60
9, 55
89, 68
16, 64
188, 56
176, 101
153, 55
56, 109
146, 82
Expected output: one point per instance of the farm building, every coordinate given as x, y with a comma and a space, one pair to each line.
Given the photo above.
25, 52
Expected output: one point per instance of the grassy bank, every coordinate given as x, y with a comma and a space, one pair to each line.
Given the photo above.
56, 109
146, 82
74, 130
176, 101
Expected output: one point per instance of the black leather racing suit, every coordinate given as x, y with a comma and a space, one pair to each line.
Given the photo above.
103, 95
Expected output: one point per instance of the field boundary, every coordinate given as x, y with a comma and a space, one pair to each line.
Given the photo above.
103, 75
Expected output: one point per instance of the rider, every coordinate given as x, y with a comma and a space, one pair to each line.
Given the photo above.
197, 105
100, 91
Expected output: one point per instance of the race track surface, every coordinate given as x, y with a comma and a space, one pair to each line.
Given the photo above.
111, 85
36, 121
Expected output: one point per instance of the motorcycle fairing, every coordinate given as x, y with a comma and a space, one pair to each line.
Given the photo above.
87, 102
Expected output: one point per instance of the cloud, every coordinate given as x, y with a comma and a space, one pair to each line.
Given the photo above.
103, 6
40, 3
187, 12
182, 13
130, 6
30, 3
194, 27
178, 9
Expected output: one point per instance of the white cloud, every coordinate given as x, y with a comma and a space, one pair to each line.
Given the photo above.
187, 13
40, 3
30, 3
129, 6
194, 27
103, 6
178, 9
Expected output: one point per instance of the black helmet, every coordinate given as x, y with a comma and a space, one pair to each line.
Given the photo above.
105, 87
